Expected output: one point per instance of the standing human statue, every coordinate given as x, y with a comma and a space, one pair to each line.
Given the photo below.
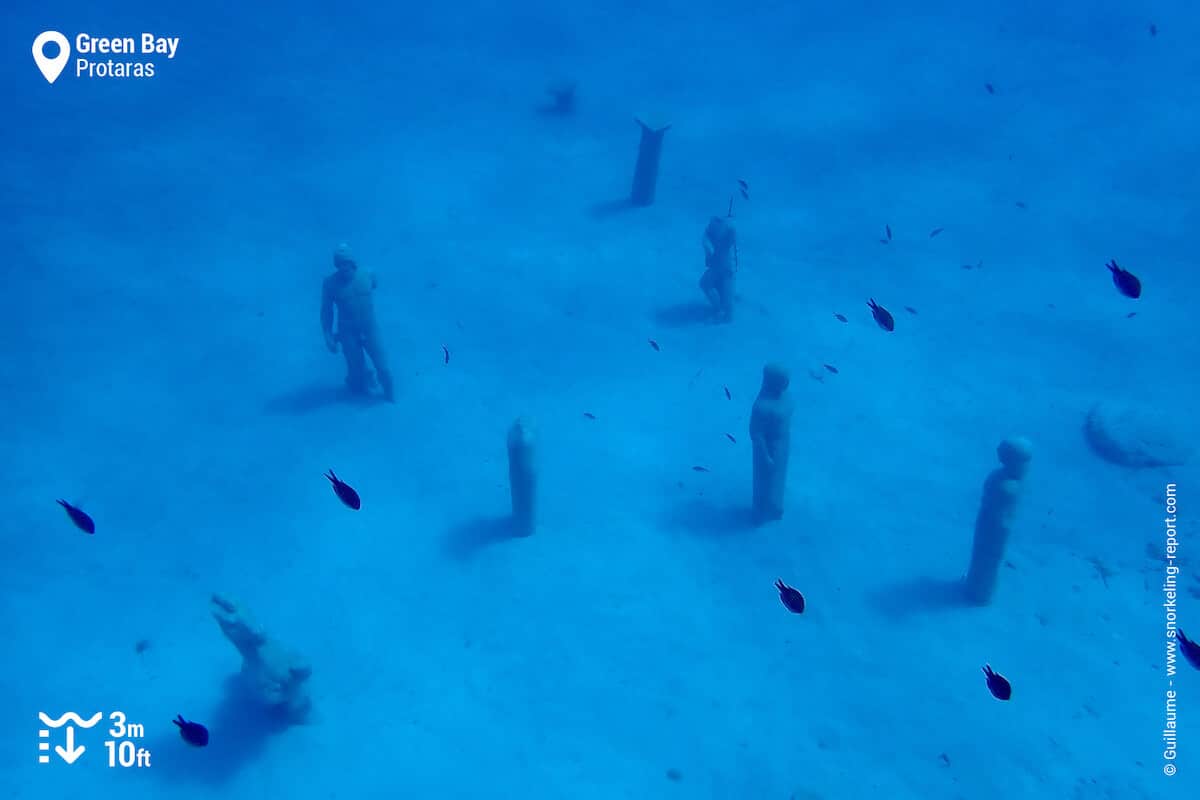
770, 437
347, 294
720, 264
998, 506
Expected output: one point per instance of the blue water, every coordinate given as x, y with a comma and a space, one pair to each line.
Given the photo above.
163, 368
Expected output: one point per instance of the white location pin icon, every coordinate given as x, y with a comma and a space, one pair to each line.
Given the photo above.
51, 67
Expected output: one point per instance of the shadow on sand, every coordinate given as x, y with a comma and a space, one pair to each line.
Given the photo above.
317, 396
611, 208
466, 540
239, 729
683, 315
919, 596
700, 516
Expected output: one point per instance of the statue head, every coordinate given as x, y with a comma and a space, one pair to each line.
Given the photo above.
721, 233
775, 379
343, 259
1014, 455
521, 433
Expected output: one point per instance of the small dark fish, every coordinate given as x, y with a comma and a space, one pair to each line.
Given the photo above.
1131, 315
1125, 281
729, 436
562, 101
193, 733
1021, 204
840, 317
792, 600
344, 492
728, 396
882, 316
1153, 29
745, 188
141, 646
990, 89
911, 310
654, 344
699, 469
1190, 650
997, 684
831, 368
888, 230
79, 517
973, 266
589, 415
935, 232
445, 354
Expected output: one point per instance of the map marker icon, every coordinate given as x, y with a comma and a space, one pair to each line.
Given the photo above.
51, 67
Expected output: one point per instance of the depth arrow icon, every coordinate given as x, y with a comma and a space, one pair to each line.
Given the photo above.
70, 753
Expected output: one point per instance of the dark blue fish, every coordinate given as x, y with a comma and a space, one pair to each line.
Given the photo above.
79, 517
193, 733
1190, 650
997, 684
882, 316
344, 491
562, 101
1126, 282
792, 599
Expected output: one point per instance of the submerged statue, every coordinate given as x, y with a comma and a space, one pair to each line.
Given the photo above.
720, 264
770, 436
348, 292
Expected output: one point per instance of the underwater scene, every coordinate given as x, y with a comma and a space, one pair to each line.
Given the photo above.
599, 401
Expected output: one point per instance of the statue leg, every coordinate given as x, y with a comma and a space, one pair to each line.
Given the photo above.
769, 481
761, 484
374, 349
358, 379
708, 285
724, 293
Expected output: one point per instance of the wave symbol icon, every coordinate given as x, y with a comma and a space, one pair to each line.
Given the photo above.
70, 716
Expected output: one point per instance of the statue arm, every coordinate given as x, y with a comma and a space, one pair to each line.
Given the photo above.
326, 310
327, 316
757, 439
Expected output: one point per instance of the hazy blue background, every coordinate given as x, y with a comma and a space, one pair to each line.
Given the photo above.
162, 366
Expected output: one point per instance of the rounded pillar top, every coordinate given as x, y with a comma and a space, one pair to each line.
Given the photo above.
1015, 453
775, 378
